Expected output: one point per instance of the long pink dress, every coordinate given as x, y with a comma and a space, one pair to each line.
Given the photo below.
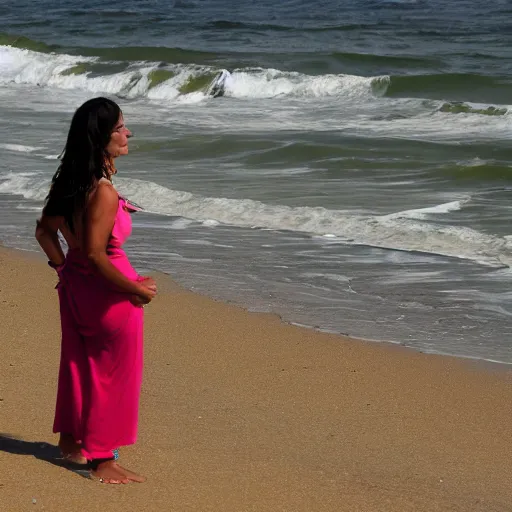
102, 351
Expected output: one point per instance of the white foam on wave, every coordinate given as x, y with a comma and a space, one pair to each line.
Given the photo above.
387, 231
29, 67
357, 97
179, 224
474, 162
364, 112
441, 127
19, 148
48, 157
266, 83
27, 208
46, 69
423, 213
29, 185
211, 223
331, 277
401, 232
270, 83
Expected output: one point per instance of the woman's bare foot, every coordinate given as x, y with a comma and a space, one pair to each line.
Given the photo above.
133, 477
110, 472
70, 450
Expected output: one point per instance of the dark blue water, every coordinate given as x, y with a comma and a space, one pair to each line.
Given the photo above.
323, 36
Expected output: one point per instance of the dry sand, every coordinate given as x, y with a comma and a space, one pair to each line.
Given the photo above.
241, 412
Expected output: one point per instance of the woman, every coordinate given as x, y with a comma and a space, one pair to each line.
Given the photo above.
101, 296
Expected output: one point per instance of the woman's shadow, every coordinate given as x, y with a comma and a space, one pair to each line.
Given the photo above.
42, 451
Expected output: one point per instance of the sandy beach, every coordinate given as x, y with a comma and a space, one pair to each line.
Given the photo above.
241, 412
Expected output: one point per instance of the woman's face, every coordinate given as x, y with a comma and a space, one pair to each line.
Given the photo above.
118, 144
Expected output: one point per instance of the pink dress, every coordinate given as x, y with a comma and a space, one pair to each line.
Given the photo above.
102, 350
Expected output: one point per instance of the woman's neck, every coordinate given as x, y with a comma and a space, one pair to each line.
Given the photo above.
110, 168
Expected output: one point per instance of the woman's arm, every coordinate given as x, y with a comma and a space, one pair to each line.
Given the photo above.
47, 236
101, 213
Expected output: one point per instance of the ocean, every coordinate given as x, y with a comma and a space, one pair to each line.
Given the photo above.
353, 176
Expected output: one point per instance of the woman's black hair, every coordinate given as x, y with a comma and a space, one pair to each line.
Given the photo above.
84, 160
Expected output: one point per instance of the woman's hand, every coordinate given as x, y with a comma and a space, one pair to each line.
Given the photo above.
138, 301
147, 291
149, 282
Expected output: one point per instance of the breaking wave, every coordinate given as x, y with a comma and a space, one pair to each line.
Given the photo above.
167, 73
157, 81
411, 230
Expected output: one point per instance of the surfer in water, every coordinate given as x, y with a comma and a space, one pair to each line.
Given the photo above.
219, 84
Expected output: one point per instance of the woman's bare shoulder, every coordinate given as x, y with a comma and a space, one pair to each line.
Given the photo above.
103, 190
103, 196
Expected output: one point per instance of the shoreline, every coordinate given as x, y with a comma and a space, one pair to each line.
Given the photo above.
241, 411
480, 361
